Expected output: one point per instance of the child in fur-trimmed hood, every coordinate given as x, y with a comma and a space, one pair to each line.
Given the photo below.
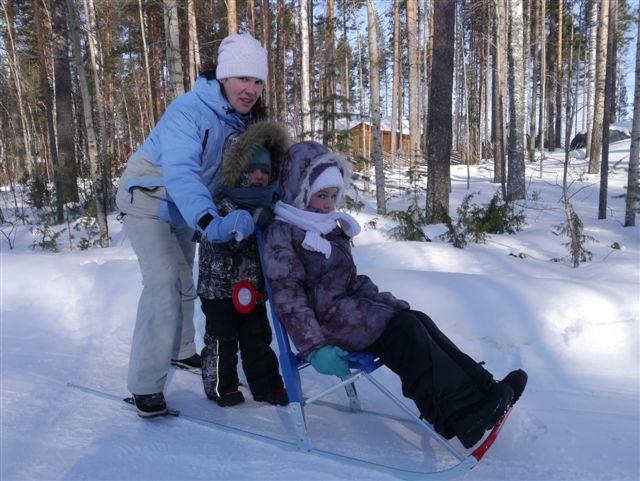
246, 180
329, 310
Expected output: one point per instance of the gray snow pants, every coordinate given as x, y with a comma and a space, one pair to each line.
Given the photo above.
164, 323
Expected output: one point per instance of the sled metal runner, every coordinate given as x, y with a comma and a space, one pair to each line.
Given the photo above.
362, 365
412, 475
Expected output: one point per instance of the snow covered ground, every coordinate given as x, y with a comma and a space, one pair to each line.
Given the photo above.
68, 317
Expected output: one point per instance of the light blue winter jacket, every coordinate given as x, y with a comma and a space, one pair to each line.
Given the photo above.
171, 176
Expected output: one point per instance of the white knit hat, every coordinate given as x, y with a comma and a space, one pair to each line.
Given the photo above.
330, 177
241, 55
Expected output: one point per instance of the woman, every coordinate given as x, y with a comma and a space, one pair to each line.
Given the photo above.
165, 194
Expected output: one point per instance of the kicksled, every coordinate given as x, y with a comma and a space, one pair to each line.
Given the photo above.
449, 461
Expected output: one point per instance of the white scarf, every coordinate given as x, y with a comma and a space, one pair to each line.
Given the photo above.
316, 225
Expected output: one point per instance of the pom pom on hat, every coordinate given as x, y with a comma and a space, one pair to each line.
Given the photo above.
241, 55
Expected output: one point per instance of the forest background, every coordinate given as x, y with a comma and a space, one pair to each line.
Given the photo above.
82, 83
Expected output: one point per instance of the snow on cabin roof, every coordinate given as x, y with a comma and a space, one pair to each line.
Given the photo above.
385, 124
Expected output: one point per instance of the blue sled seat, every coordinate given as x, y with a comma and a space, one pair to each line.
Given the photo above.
359, 360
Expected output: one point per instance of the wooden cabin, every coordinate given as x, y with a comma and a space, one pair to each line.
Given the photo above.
362, 138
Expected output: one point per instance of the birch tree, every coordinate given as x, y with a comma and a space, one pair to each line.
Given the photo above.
633, 186
192, 43
175, 76
535, 6
497, 75
92, 46
601, 63
591, 92
439, 148
396, 78
374, 84
25, 152
95, 168
516, 188
145, 57
414, 82
559, 74
232, 17
542, 120
305, 103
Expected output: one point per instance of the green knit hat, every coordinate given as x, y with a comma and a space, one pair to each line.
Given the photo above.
261, 158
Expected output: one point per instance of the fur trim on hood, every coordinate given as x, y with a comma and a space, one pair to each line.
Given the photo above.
270, 135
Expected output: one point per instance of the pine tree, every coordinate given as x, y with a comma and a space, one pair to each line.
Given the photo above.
439, 151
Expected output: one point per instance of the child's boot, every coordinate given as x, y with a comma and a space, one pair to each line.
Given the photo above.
470, 423
517, 380
232, 398
277, 397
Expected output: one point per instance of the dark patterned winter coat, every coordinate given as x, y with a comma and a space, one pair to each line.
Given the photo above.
222, 265
320, 301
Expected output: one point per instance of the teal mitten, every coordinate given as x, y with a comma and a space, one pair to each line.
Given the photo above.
328, 360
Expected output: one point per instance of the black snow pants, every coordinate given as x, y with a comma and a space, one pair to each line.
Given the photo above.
226, 330
434, 373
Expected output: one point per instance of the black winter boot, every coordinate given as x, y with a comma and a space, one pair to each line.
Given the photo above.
278, 397
192, 362
517, 380
471, 423
232, 398
150, 405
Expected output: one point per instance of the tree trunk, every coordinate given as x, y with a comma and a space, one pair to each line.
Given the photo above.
192, 42
280, 65
266, 42
516, 188
92, 144
64, 108
252, 20
606, 120
147, 73
542, 121
374, 84
232, 17
327, 81
155, 30
591, 94
25, 151
559, 75
414, 83
92, 45
497, 117
534, 82
633, 187
427, 74
601, 63
439, 151
175, 76
47, 94
305, 107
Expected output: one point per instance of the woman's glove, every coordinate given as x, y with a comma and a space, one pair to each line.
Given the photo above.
328, 360
222, 229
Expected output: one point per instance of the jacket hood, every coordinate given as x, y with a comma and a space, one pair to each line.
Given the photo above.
270, 135
209, 92
302, 164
